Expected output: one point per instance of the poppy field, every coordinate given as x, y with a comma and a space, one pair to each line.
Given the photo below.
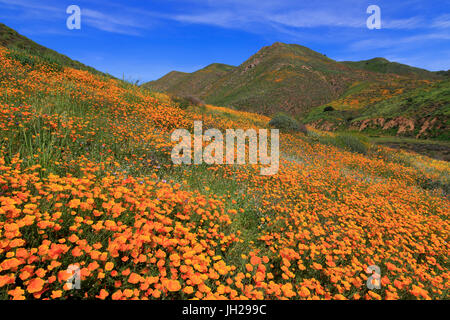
86, 180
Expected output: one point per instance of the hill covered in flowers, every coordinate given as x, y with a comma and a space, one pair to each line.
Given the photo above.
86, 180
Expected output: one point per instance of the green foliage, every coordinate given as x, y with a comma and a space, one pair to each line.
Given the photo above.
184, 84
382, 65
427, 101
353, 142
285, 122
188, 101
433, 100
32, 61
21, 46
347, 141
129, 80
443, 73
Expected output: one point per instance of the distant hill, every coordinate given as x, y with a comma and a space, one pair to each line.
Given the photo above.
12, 40
383, 65
414, 108
196, 83
166, 82
423, 112
443, 73
431, 100
292, 79
280, 77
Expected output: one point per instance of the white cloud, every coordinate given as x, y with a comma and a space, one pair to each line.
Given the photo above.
223, 19
110, 23
442, 21
314, 18
410, 23
29, 5
395, 42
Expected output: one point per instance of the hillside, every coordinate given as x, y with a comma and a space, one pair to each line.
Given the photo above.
16, 42
281, 77
407, 108
443, 73
87, 183
294, 79
383, 65
194, 84
424, 112
165, 83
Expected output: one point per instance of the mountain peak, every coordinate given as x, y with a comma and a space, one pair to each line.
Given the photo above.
378, 59
279, 44
218, 67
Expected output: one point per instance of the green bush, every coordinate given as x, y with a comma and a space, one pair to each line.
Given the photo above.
185, 102
287, 123
194, 101
347, 141
352, 142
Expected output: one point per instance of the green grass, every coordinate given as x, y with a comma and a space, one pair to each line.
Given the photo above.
187, 84
37, 143
423, 103
347, 141
382, 65
9, 38
394, 139
428, 101
355, 88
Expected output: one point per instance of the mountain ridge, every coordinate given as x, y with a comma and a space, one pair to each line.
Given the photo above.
383, 65
273, 75
285, 77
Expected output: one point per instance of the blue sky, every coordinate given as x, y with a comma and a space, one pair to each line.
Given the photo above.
143, 40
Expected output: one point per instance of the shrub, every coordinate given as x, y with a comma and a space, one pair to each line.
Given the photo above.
313, 134
287, 123
352, 142
348, 141
194, 101
184, 102
328, 108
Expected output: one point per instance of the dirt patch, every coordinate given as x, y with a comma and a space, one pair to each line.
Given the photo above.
325, 125
404, 126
